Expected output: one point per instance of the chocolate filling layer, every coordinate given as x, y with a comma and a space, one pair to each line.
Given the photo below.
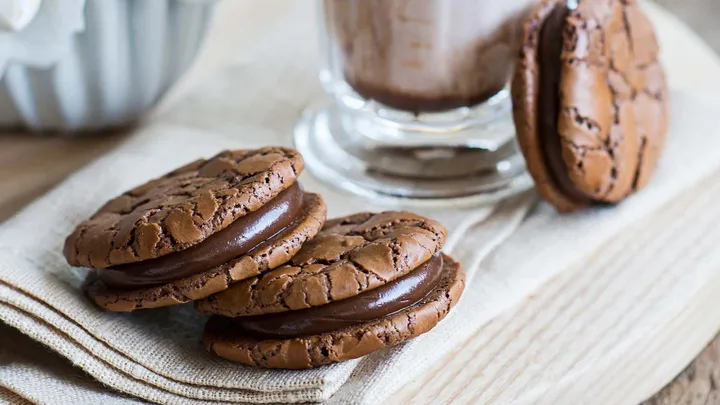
377, 303
240, 237
550, 63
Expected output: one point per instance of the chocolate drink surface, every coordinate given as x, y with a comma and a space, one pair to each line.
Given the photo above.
427, 55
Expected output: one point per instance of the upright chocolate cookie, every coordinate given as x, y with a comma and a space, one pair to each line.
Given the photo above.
197, 230
365, 282
590, 101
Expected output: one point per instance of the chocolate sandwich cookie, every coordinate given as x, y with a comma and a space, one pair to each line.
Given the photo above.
590, 101
365, 282
196, 230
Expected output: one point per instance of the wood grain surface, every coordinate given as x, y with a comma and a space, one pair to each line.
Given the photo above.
30, 165
566, 346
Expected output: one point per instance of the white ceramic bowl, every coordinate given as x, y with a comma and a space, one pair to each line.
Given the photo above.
126, 58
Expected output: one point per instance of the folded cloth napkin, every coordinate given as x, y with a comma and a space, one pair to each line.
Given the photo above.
156, 355
160, 347
24, 360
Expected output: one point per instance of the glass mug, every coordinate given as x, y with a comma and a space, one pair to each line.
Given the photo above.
420, 110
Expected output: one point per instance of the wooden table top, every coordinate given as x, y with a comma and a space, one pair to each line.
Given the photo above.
30, 165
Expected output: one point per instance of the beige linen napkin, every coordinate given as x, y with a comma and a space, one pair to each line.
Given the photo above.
33, 372
159, 348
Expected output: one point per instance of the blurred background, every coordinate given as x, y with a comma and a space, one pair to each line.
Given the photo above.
701, 15
29, 175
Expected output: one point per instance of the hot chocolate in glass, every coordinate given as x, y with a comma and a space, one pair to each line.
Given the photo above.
420, 108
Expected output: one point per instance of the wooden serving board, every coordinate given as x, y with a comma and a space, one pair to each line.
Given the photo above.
600, 334
569, 344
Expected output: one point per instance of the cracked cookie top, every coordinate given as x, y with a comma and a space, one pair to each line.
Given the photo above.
610, 109
183, 207
350, 255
